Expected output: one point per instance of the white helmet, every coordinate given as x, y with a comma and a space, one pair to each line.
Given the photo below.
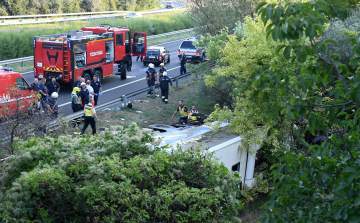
165, 73
162, 64
54, 95
151, 65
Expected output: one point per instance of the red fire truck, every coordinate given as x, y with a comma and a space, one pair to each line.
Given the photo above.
101, 51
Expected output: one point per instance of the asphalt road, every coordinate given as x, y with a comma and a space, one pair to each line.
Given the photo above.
113, 87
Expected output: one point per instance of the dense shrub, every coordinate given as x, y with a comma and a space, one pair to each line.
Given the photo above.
339, 30
15, 44
116, 177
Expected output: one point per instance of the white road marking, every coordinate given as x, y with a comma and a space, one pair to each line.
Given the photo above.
121, 85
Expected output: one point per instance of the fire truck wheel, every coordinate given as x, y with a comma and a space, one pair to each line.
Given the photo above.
123, 71
86, 76
98, 74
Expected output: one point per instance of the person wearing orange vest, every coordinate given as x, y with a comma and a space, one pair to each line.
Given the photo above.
89, 117
183, 113
192, 119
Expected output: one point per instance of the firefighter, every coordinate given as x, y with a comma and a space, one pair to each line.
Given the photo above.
52, 106
53, 86
192, 119
43, 92
183, 61
77, 83
75, 105
83, 95
89, 117
183, 112
150, 77
96, 85
164, 86
162, 70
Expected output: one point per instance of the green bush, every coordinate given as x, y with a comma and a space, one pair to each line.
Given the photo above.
15, 44
116, 177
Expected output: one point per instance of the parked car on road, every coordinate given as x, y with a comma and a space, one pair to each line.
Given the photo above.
169, 5
191, 52
132, 15
156, 55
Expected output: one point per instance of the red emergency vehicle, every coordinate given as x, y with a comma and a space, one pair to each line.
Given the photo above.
101, 51
16, 96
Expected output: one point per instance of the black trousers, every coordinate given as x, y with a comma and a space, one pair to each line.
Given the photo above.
91, 121
150, 83
165, 94
96, 97
182, 69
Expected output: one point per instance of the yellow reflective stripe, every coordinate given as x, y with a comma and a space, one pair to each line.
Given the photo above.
88, 110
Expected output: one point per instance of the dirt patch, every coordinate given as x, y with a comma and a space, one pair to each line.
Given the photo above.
252, 211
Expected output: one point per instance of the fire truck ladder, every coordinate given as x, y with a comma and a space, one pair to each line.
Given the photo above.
66, 63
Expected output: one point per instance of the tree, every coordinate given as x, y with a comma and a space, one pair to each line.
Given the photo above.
118, 176
321, 184
213, 16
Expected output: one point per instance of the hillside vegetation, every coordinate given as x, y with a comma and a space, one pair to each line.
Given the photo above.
32, 7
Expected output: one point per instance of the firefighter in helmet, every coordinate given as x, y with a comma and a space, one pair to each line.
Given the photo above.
150, 77
52, 106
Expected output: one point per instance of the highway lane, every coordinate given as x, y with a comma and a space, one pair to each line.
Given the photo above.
114, 87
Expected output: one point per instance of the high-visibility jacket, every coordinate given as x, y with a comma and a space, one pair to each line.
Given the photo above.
183, 113
193, 118
89, 111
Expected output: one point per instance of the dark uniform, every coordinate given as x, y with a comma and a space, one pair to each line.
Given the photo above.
43, 97
150, 77
84, 97
182, 68
53, 105
164, 86
96, 86
183, 114
89, 118
77, 84
75, 107
52, 87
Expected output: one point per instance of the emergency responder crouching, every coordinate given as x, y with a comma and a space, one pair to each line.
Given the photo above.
192, 119
52, 106
75, 105
89, 117
183, 112
150, 77
164, 82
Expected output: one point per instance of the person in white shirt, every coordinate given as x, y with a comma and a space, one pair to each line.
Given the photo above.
90, 89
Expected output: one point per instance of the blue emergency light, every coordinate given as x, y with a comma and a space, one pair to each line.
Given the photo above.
7, 69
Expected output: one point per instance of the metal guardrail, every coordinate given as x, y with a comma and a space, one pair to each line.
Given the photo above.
77, 18
124, 99
24, 59
57, 15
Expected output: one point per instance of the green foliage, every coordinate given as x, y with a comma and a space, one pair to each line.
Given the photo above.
31, 7
323, 184
116, 177
15, 44
340, 30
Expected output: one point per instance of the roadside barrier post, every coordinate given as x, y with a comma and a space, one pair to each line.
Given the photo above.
125, 100
177, 81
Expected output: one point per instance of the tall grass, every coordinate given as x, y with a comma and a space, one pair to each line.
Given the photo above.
15, 44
